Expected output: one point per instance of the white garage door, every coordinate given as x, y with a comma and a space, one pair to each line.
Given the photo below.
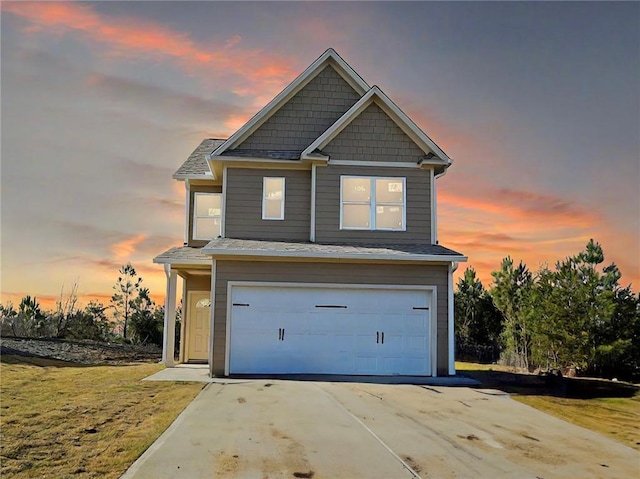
317, 330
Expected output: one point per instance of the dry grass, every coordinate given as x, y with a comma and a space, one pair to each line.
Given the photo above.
611, 409
65, 420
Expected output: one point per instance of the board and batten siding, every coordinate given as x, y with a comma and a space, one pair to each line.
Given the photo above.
373, 136
306, 115
418, 213
243, 215
193, 189
333, 273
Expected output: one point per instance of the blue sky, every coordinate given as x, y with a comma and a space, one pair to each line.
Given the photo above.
537, 103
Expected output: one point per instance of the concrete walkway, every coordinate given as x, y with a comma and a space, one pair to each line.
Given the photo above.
277, 429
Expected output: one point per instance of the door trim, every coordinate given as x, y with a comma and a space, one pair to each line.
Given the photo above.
433, 317
188, 324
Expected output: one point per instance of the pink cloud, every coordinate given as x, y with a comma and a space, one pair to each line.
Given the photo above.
128, 37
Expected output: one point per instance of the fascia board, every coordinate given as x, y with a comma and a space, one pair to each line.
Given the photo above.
181, 261
294, 87
365, 256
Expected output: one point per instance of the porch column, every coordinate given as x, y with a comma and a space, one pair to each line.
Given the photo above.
169, 334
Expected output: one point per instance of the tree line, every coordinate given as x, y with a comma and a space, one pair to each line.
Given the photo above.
573, 316
131, 316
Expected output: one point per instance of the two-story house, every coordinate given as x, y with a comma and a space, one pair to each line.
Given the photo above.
311, 240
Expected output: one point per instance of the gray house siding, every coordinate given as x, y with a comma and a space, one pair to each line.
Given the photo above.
244, 205
418, 213
305, 116
373, 136
193, 189
342, 273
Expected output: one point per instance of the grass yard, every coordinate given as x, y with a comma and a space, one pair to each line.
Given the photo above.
62, 420
612, 409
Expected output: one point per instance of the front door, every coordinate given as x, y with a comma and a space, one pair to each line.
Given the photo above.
198, 326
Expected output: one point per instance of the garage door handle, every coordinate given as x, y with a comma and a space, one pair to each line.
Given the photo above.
377, 337
279, 334
382, 337
283, 334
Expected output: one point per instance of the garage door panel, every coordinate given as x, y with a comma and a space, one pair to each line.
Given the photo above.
329, 330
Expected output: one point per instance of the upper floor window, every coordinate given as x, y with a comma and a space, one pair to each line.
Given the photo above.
272, 198
207, 215
372, 203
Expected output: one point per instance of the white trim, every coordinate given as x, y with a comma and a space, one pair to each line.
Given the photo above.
169, 331
187, 189
389, 164
265, 199
252, 159
335, 256
434, 217
213, 311
223, 225
194, 176
182, 261
312, 233
450, 320
433, 308
398, 116
183, 334
195, 214
328, 57
373, 203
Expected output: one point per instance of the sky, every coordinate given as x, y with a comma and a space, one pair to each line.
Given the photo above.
538, 105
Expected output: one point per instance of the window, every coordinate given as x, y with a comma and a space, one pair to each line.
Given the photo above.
370, 203
207, 215
273, 198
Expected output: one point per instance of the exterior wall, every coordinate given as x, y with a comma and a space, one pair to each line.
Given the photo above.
192, 190
305, 116
418, 213
336, 273
373, 136
244, 205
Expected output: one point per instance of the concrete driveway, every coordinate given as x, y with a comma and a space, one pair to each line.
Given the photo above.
295, 429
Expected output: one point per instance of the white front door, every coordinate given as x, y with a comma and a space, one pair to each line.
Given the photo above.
198, 326
318, 330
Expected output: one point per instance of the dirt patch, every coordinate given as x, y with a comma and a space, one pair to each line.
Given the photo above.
80, 352
412, 463
241, 400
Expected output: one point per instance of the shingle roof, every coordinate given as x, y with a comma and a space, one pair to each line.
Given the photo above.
183, 255
271, 154
196, 164
410, 252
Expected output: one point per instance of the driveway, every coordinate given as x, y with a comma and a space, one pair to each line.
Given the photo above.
277, 429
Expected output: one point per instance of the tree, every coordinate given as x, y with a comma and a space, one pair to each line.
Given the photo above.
31, 317
127, 287
147, 320
511, 292
478, 323
65, 310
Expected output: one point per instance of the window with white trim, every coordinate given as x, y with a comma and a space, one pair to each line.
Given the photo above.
207, 215
272, 198
372, 203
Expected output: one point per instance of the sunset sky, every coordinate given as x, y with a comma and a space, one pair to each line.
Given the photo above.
538, 104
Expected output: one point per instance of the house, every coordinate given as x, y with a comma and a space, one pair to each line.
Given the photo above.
311, 240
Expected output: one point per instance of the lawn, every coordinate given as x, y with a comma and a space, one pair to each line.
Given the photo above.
609, 408
62, 419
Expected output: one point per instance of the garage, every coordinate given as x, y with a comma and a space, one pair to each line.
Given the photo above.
330, 329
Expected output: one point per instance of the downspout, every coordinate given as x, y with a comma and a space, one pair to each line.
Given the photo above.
450, 320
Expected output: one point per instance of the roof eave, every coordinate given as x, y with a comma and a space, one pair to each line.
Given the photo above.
347, 256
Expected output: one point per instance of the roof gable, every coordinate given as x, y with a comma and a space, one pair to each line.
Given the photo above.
330, 57
305, 116
408, 127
